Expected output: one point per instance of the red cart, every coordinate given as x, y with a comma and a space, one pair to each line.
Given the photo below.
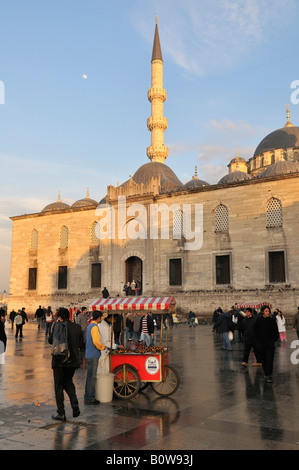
135, 370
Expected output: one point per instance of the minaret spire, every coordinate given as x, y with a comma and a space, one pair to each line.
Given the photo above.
288, 123
157, 123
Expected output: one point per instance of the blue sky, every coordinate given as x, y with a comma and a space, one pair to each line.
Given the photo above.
228, 69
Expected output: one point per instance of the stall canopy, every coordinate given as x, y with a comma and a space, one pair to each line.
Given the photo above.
133, 303
253, 305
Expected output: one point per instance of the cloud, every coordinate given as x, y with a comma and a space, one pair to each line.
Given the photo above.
202, 36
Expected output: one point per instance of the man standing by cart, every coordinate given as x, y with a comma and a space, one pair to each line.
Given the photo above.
93, 350
147, 329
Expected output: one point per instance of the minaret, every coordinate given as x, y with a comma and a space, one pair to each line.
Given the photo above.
157, 123
288, 123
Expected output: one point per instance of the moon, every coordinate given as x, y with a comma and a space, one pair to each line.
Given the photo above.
84, 76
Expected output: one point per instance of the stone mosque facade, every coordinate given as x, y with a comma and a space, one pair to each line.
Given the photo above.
246, 232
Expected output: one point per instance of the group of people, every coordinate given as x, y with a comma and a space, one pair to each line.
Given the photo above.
19, 319
260, 332
132, 288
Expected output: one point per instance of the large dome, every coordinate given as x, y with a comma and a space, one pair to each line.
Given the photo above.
56, 206
280, 168
286, 137
168, 179
86, 202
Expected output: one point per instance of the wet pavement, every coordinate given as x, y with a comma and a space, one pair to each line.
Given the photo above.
219, 405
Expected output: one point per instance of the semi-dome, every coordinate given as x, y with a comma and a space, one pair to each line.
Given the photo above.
169, 181
286, 137
234, 177
56, 206
86, 202
280, 168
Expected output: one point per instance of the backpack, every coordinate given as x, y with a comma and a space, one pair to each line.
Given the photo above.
60, 350
18, 319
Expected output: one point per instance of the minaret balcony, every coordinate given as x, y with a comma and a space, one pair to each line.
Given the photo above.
157, 94
154, 123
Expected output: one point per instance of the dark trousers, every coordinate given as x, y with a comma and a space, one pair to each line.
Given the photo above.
247, 348
266, 352
63, 380
19, 329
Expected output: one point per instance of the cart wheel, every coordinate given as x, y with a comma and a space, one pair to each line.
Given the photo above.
126, 382
169, 384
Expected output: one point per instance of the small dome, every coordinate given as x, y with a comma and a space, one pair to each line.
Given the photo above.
280, 168
195, 182
56, 206
234, 177
284, 138
168, 179
86, 202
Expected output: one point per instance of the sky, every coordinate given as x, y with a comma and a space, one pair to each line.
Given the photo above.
74, 77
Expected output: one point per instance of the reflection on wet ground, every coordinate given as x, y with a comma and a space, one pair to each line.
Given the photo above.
219, 404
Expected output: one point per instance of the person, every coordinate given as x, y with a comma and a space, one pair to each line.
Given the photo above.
20, 320
3, 337
296, 322
266, 331
281, 324
223, 326
105, 293
64, 372
249, 338
146, 329
39, 314
93, 350
107, 339
12, 316
49, 320
192, 319
133, 287
82, 320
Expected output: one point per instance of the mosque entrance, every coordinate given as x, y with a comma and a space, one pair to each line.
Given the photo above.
134, 271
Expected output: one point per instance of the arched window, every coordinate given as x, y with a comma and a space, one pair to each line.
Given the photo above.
64, 237
274, 213
221, 218
178, 225
34, 240
93, 234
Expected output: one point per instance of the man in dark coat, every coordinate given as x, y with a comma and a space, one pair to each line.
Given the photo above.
266, 331
64, 371
3, 337
249, 338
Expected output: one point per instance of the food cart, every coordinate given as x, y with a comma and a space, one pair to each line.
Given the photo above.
253, 305
136, 368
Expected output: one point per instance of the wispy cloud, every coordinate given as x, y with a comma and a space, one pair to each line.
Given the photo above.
201, 36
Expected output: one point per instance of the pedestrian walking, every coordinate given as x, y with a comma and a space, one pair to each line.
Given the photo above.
281, 324
48, 320
12, 316
266, 334
223, 325
20, 320
93, 350
3, 337
296, 322
39, 315
82, 320
249, 338
64, 371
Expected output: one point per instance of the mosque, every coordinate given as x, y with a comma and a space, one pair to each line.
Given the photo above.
210, 245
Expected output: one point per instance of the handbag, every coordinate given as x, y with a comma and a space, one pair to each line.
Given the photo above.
230, 335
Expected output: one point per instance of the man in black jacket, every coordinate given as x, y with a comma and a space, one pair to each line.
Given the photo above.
266, 331
249, 338
64, 371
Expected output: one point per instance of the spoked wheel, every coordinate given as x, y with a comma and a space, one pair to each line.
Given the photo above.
126, 382
169, 384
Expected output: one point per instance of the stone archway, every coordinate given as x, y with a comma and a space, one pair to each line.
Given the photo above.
134, 267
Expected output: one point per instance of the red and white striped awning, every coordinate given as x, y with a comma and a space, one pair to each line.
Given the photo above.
133, 303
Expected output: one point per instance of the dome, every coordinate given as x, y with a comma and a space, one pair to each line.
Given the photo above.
286, 137
56, 206
86, 202
168, 179
195, 182
280, 168
234, 177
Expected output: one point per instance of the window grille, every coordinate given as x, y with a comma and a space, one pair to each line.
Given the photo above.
178, 225
34, 240
64, 237
221, 218
274, 213
93, 237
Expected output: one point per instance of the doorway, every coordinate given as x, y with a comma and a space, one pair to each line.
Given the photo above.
134, 270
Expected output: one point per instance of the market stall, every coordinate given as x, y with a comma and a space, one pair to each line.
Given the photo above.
136, 366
